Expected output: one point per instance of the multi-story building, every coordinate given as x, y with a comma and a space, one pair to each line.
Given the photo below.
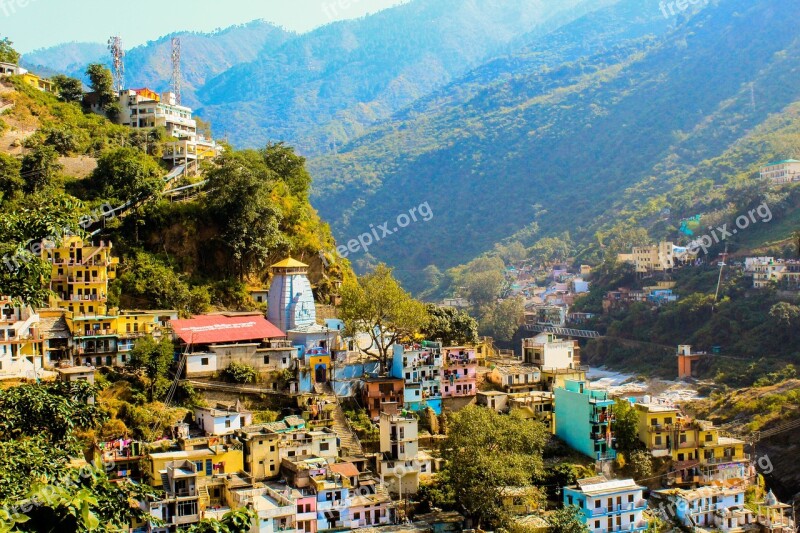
549, 352
79, 281
143, 108
460, 372
421, 364
180, 505
781, 172
385, 395
21, 347
713, 507
661, 257
608, 506
399, 465
767, 270
210, 455
584, 419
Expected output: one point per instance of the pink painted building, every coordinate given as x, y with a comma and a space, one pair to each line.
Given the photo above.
460, 372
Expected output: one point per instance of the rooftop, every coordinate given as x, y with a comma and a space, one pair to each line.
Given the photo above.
599, 485
290, 263
220, 329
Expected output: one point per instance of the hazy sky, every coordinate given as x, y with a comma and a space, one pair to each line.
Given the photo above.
33, 24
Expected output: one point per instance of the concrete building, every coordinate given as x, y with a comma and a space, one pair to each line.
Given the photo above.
584, 420
420, 365
222, 419
516, 377
21, 346
399, 466
608, 505
781, 172
460, 372
712, 507
384, 395
549, 352
661, 257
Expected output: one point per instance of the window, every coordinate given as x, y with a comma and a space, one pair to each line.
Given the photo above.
668, 420
682, 438
272, 448
199, 465
271, 468
266, 359
204, 361
630, 498
357, 516
227, 423
597, 504
597, 524
324, 446
209, 467
658, 440
709, 437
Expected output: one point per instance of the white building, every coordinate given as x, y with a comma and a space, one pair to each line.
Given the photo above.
712, 506
400, 465
608, 506
222, 420
549, 352
781, 172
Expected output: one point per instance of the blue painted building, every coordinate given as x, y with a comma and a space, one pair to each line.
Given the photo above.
420, 366
608, 506
584, 419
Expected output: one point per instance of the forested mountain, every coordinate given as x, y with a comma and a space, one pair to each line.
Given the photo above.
325, 87
556, 133
204, 56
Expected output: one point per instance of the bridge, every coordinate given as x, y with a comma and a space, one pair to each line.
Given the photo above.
564, 332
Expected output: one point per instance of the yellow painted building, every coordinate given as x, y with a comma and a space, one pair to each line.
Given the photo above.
80, 276
43, 84
21, 341
667, 433
211, 456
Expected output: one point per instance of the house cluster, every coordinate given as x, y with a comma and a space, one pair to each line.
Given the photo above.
765, 271
708, 478
292, 473
38, 82
654, 295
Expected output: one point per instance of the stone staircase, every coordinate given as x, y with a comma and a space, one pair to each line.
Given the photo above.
348, 440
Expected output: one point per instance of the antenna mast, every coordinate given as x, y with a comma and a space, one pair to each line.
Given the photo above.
117, 55
176, 68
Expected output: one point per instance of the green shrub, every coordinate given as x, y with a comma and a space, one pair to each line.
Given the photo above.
239, 373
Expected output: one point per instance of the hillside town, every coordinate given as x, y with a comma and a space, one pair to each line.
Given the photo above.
305, 417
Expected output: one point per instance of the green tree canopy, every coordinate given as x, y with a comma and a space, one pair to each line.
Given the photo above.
485, 454
7, 52
40, 167
10, 180
242, 205
288, 167
626, 426
451, 325
127, 174
102, 83
152, 358
376, 304
567, 519
502, 320
69, 89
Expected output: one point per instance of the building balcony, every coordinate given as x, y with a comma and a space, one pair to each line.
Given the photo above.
639, 505
601, 418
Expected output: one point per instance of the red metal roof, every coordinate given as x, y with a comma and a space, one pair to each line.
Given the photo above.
220, 329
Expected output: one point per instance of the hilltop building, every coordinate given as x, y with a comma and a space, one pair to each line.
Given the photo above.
399, 465
291, 299
767, 270
420, 365
714, 507
781, 172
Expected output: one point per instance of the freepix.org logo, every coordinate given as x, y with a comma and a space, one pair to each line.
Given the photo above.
377, 233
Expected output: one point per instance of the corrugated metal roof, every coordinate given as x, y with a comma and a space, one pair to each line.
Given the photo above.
217, 329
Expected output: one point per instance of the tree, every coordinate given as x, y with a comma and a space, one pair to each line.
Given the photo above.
10, 179
567, 519
237, 521
486, 453
452, 326
7, 52
127, 174
240, 373
377, 305
483, 288
69, 89
102, 83
502, 320
626, 426
40, 166
640, 464
152, 359
289, 167
243, 207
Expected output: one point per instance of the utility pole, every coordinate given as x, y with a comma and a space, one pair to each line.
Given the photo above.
117, 56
